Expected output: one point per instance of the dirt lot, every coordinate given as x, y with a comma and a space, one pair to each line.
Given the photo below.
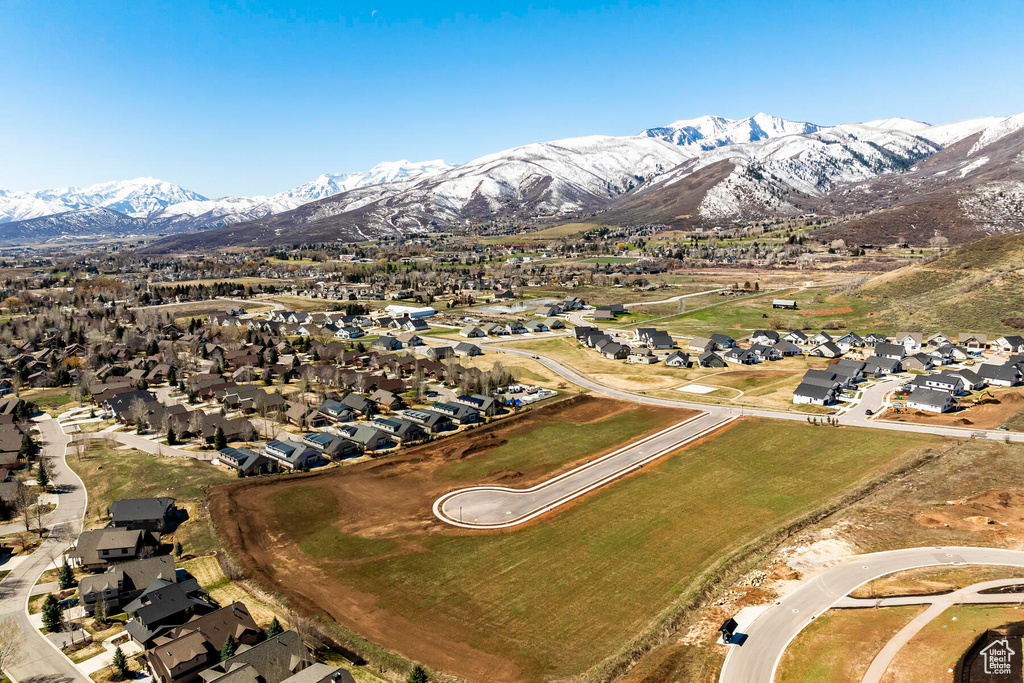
381, 508
998, 410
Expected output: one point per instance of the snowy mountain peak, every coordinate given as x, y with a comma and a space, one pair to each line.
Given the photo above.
385, 172
709, 132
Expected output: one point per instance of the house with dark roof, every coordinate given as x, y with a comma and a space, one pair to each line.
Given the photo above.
331, 446
290, 454
876, 366
97, 549
887, 350
336, 411
279, 659
483, 404
432, 421
826, 350
766, 337
930, 400
368, 437
999, 375
1010, 344
182, 652
124, 582
162, 606
814, 394
710, 359
740, 356
459, 413
245, 460
677, 359
148, 514
467, 349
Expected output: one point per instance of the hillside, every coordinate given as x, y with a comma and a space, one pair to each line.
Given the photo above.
976, 288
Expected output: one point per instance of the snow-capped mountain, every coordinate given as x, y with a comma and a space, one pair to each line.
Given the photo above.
136, 198
165, 207
386, 172
709, 132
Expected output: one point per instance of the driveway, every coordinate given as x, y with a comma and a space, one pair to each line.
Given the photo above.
38, 660
770, 634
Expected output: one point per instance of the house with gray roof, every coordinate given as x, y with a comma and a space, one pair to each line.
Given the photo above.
930, 400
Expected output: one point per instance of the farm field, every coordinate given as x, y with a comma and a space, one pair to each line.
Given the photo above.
931, 653
555, 598
839, 645
111, 475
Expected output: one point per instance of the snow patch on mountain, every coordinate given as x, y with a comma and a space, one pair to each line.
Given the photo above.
709, 132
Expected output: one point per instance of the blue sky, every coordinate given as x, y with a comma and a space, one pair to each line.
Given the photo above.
251, 97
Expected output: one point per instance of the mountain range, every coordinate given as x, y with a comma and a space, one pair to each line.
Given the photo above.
891, 179
148, 205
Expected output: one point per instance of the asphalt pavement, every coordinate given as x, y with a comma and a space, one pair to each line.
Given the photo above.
37, 660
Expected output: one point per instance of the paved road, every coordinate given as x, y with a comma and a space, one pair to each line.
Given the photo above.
490, 507
143, 444
937, 605
855, 418
768, 636
38, 661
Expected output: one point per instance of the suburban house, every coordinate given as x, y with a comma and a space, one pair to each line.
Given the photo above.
701, 344
467, 349
459, 413
1010, 344
819, 338
765, 353
766, 337
710, 359
99, 548
887, 350
723, 341
911, 341
850, 340
336, 410
147, 514
483, 404
472, 332
184, 652
787, 349
440, 353
642, 355
431, 420
331, 446
678, 359
826, 350
400, 430
122, 583
939, 339
245, 460
876, 366
367, 436
970, 378
360, 405
973, 342
930, 400
941, 381
875, 338
162, 606
999, 375
291, 454
281, 659
814, 394
795, 337
740, 356
919, 362
536, 326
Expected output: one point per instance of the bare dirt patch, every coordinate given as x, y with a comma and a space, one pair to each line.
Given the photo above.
838, 310
992, 413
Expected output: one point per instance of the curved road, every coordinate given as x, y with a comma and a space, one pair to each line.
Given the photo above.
494, 507
37, 660
756, 660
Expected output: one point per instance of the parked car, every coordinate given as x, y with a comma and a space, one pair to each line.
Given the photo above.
868, 411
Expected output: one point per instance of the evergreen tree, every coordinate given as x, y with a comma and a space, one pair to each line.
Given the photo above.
52, 617
66, 576
228, 651
274, 629
178, 550
42, 476
120, 664
219, 440
418, 675
171, 439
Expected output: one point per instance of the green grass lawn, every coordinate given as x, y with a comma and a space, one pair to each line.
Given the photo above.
553, 444
111, 475
559, 596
